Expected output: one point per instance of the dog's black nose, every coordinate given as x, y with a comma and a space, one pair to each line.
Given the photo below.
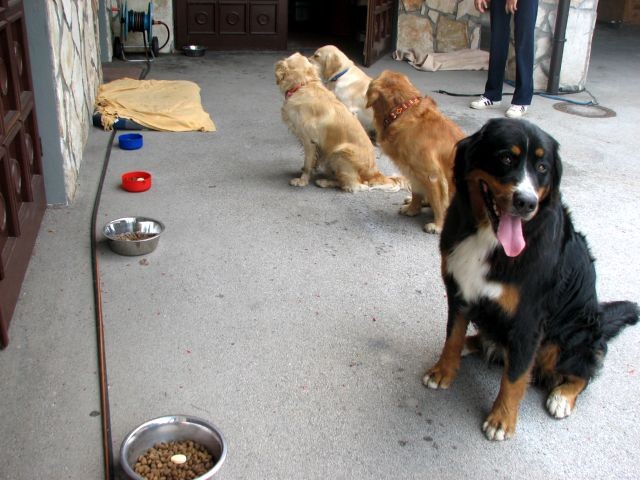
524, 202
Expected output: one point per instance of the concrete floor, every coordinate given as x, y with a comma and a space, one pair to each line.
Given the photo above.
300, 321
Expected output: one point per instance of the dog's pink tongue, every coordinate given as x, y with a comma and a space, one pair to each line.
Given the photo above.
510, 234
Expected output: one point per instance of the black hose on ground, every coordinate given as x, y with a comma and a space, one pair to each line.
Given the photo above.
97, 297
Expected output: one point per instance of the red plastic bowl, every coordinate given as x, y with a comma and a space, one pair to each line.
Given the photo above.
136, 181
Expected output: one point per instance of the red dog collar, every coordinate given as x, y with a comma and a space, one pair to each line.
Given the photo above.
292, 90
400, 109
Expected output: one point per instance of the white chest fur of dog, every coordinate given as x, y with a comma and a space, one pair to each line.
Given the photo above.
351, 89
348, 82
468, 265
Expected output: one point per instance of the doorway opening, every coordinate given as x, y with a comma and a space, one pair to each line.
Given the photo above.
314, 23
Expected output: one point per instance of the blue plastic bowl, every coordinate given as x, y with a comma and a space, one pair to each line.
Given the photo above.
130, 141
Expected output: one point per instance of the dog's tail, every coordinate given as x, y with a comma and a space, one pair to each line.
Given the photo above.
614, 316
392, 183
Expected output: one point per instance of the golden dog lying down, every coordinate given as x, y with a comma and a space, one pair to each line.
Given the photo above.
419, 139
346, 81
333, 139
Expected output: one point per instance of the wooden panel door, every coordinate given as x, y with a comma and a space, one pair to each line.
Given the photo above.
381, 20
231, 24
22, 198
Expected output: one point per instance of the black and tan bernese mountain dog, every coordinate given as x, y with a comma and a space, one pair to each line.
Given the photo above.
514, 267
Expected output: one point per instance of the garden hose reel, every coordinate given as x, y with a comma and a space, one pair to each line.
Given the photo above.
132, 21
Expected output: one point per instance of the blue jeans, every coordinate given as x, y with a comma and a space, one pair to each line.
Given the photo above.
524, 28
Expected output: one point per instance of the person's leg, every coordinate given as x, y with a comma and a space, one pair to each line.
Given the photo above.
499, 49
524, 29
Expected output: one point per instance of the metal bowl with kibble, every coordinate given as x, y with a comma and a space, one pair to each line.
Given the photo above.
133, 235
173, 446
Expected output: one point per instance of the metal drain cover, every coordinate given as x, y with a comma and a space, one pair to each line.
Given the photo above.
589, 111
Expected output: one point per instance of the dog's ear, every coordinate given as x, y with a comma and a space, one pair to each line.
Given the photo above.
280, 71
465, 150
460, 163
331, 64
372, 94
556, 166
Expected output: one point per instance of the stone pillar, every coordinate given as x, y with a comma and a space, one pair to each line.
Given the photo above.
577, 49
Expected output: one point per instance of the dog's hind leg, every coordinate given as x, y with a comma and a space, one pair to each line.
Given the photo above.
346, 174
562, 399
327, 183
379, 181
346, 180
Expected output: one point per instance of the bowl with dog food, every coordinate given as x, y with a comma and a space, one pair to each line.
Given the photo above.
133, 235
130, 141
173, 447
193, 50
136, 181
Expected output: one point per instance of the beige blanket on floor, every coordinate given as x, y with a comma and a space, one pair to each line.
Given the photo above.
468, 59
166, 105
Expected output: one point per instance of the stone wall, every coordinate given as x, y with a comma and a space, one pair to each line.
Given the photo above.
76, 75
428, 26
433, 26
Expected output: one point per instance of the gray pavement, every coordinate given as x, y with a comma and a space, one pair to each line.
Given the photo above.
300, 321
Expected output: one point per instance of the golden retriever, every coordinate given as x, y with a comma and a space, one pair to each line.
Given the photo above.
419, 139
346, 81
332, 138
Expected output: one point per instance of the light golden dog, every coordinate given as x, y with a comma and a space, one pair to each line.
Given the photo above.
419, 139
346, 81
333, 140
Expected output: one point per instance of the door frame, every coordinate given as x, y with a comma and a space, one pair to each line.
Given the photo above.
369, 55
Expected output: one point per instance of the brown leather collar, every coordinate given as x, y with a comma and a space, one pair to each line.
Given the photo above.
400, 109
292, 90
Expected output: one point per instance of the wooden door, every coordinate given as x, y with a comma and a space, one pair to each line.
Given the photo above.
381, 18
22, 198
231, 24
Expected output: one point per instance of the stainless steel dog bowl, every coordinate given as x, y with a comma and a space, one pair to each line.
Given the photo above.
133, 235
172, 428
193, 50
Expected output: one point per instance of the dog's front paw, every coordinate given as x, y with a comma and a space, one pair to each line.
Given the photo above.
499, 426
299, 182
558, 405
438, 377
407, 200
432, 228
409, 210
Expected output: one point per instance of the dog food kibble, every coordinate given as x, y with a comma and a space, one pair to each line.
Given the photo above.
184, 460
133, 236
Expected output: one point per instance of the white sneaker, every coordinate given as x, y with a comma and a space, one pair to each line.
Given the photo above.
516, 111
483, 102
